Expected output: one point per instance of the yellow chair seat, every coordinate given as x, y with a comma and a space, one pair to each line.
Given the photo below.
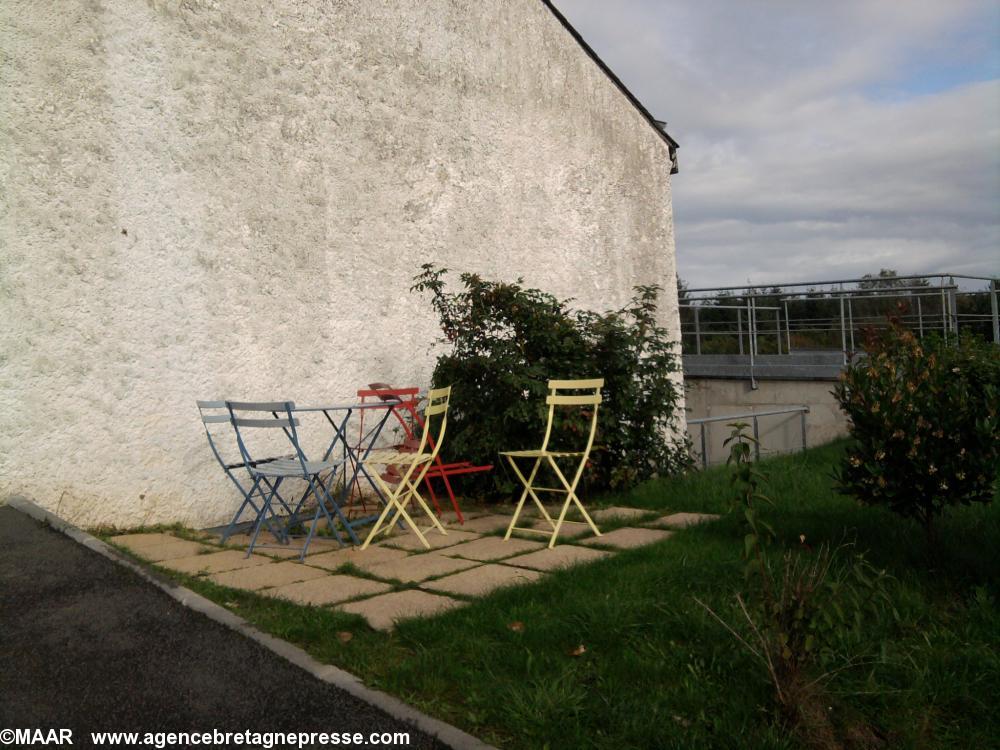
541, 453
397, 458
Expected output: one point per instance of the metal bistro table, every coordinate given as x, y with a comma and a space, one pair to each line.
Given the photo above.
338, 415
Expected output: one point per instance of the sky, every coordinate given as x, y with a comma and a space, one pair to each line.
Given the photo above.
819, 140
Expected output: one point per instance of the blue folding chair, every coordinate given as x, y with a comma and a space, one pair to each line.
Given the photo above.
215, 412
318, 475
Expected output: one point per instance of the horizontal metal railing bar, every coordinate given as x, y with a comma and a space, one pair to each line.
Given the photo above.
769, 413
724, 307
828, 282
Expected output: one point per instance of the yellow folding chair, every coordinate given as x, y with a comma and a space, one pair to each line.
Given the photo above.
543, 455
412, 467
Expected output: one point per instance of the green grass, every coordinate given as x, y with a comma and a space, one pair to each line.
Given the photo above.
658, 671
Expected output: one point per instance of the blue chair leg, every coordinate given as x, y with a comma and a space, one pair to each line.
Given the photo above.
262, 516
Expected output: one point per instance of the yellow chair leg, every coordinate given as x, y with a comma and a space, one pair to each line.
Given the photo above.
524, 495
393, 501
570, 498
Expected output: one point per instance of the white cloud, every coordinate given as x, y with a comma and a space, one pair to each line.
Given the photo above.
793, 166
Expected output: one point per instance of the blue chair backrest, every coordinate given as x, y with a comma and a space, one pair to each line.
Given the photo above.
280, 418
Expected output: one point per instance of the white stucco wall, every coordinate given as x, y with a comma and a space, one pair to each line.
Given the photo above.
214, 199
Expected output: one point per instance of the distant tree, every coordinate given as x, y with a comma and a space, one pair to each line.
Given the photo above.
888, 279
682, 290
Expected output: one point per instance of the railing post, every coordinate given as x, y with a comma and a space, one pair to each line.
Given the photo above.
739, 328
953, 306
850, 318
843, 330
944, 317
756, 439
995, 310
704, 448
750, 342
788, 330
920, 317
803, 418
777, 327
697, 331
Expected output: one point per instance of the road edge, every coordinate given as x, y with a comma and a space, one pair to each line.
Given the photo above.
450, 735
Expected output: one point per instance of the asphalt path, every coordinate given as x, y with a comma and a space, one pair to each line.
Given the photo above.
88, 645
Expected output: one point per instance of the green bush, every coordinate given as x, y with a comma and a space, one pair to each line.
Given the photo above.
507, 341
925, 418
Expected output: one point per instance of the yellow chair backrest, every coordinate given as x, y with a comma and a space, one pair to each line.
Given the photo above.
436, 411
592, 397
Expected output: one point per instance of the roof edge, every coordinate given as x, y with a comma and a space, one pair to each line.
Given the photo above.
653, 122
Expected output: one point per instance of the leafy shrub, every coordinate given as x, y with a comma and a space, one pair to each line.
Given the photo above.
508, 341
925, 418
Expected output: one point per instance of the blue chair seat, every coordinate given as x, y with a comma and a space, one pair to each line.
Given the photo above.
292, 467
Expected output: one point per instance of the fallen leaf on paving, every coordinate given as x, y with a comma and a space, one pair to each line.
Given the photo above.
343, 636
517, 626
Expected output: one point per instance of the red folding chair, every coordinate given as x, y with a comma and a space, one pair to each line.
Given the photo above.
407, 412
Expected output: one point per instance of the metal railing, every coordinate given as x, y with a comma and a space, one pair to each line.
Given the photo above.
754, 415
827, 316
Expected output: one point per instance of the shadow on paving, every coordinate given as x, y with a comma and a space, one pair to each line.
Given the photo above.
88, 645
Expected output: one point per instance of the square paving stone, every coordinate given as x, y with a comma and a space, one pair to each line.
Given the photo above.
449, 517
482, 580
561, 556
492, 548
173, 550
624, 514
267, 545
484, 524
437, 540
383, 611
420, 567
682, 520
265, 576
158, 547
628, 538
363, 559
216, 562
327, 590
137, 543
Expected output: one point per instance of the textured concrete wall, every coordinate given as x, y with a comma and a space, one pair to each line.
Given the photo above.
713, 397
219, 199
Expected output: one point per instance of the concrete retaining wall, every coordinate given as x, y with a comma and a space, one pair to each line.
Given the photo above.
778, 434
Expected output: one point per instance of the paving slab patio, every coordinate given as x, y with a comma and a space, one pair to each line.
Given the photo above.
384, 610
449, 517
682, 520
628, 538
492, 548
215, 562
363, 559
266, 545
266, 576
173, 550
620, 513
419, 567
159, 547
137, 542
485, 524
437, 540
482, 580
327, 590
561, 556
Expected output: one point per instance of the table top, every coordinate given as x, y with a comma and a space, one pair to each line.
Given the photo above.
345, 407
